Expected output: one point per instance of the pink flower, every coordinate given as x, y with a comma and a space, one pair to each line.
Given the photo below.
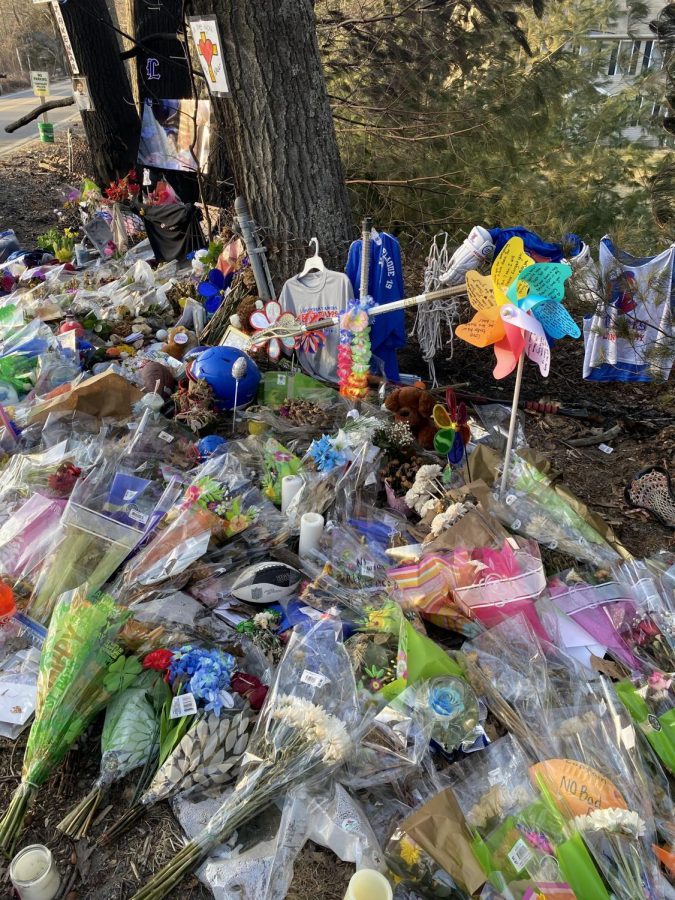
192, 494
659, 682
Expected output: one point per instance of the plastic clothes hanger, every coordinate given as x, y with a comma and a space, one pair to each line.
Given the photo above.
314, 262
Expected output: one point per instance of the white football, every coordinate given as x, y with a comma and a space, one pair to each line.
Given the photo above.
267, 582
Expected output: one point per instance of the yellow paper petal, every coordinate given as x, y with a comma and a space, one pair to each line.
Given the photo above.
484, 329
441, 417
510, 263
480, 290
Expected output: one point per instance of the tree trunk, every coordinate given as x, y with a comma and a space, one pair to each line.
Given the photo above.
279, 130
113, 127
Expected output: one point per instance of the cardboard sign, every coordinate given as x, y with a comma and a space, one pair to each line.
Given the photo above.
70, 53
40, 83
206, 36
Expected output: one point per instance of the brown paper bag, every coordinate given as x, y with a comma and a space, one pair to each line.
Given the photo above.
439, 828
105, 395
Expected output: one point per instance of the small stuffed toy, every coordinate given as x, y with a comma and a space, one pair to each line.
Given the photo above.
179, 341
414, 406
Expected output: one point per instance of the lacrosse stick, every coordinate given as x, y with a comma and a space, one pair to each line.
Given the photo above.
261, 337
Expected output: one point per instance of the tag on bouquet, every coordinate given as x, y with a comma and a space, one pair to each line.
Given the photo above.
520, 855
183, 705
313, 678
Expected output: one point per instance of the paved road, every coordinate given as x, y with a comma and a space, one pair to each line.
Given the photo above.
13, 106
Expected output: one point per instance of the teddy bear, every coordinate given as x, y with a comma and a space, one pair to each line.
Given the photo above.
414, 406
179, 341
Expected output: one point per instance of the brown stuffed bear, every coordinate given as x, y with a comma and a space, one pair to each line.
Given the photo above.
414, 406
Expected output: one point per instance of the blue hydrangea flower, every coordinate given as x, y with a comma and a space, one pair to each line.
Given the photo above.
205, 674
324, 454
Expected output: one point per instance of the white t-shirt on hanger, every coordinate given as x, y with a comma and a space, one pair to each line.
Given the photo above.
318, 294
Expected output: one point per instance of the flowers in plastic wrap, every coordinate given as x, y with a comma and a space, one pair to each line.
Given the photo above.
517, 833
533, 508
220, 503
81, 646
279, 463
108, 514
202, 730
130, 737
490, 584
305, 731
650, 701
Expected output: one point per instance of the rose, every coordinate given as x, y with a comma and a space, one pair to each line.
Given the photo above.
250, 687
159, 660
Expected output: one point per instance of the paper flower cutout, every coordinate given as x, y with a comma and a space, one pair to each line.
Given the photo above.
213, 289
270, 317
453, 431
518, 308
311, 341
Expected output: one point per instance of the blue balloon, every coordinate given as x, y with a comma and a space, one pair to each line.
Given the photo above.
210, 444
214, 366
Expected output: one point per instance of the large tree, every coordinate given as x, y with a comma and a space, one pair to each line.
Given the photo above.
113, 127
278, 129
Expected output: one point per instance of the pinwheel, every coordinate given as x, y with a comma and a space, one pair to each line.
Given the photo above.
453, 431
213, 289
270, 318
518, 308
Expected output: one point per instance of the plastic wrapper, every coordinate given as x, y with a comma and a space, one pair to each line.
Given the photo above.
18, 690
107, 516
533, 508
82, 665
304, 733
397, 740
522, 679
219, 504
491, 585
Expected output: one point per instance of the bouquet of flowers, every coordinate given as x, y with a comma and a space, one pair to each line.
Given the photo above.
220, 503
305, 731
82, 666
130, 737
107, 516
202, 736
534, 508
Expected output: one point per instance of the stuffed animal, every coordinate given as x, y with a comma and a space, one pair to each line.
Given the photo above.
179, 341
414, 406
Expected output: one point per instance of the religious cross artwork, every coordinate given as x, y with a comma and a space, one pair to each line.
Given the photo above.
206, 37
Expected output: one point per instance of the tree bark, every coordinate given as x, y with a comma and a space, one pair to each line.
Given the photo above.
113, 127
278, 130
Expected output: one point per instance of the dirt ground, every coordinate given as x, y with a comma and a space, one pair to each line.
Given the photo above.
644, 414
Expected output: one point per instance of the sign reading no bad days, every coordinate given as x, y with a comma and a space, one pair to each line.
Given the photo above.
206, 36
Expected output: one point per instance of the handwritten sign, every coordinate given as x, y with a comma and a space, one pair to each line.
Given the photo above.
206, 37
538, 350
65, 37
480, 290
546, 279
556, 320
577, 789
510, 263
482, 330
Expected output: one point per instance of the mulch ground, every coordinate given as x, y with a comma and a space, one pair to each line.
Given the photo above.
645, 414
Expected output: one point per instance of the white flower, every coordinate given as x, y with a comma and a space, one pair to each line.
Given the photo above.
618, 821
427, 506
427, 473
447, 518
340, 442
263, 620
318, 726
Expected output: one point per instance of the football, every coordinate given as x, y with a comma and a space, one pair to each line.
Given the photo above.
267, 582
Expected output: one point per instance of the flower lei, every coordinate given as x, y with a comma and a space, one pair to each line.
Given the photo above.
353, 362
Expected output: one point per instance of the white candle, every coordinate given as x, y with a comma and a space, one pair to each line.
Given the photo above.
311, 529
290, 486
369, 885
34, 873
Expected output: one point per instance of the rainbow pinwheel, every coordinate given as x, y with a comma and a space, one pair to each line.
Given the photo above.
453, 431
518, 308
271, 318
